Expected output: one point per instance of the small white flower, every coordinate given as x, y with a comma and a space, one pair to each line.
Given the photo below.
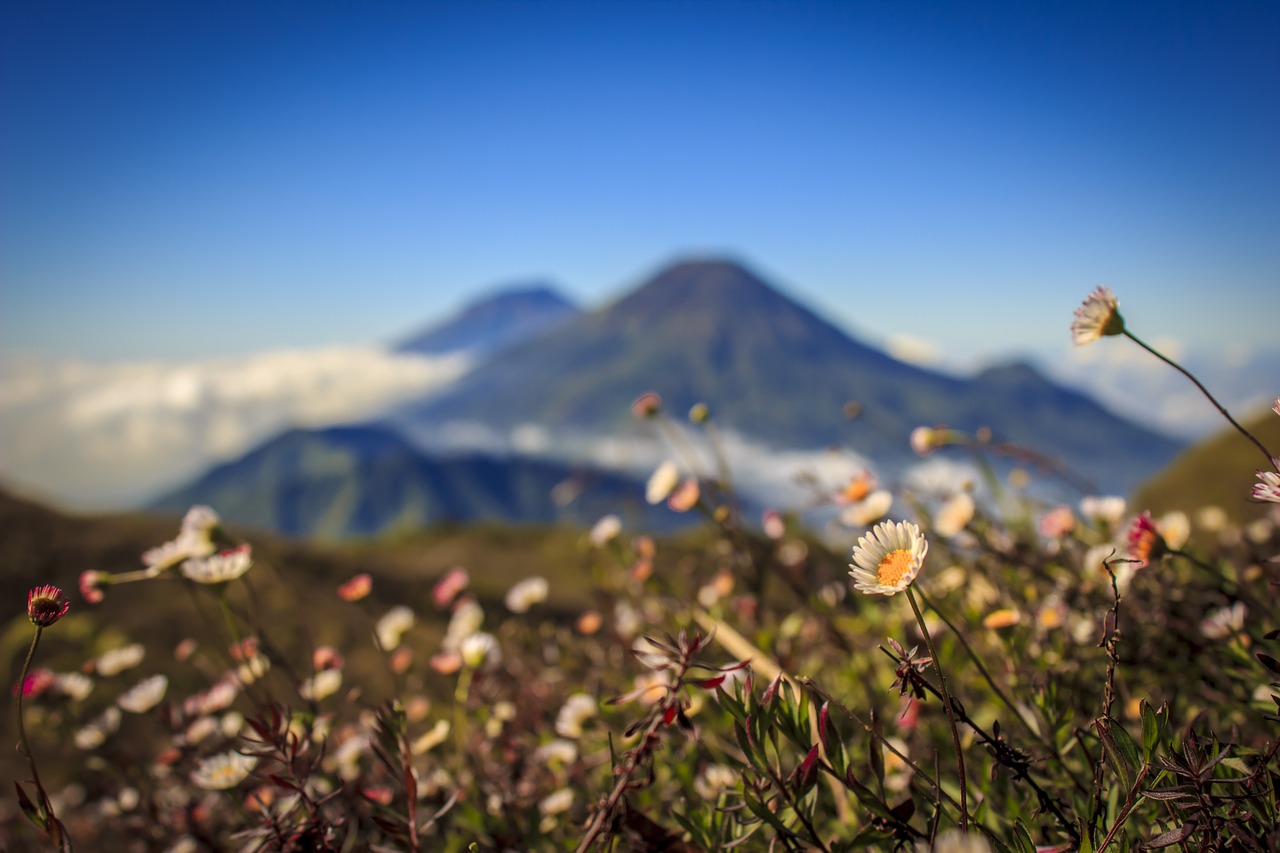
662, 483
95, 734
77, 685
431, 739
1108, 509
1268, 487
557, 803
559, 751
223, 771
480, 648
867, 511
954, 515
577, 709
526, 593
1097, 317
391, 627
467, 618
195, 539
219, 568
955, 841
118, 660
144, 695
253, 669
714, 780
201, 728
1224, 622
321, 685
605, 530
888, 559
1175, 527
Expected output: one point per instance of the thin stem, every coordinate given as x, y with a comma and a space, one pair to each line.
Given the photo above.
22, 731
951, 715
1205, 391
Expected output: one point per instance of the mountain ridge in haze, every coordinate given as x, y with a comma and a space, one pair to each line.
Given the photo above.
713, 331
505, 317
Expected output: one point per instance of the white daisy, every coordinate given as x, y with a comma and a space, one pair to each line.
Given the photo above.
392, 625
577, 709
144, 695
888, 559
223, 771
118, 660
220, 568
867, 511
1097, 317
1268, 488
662, 482
321, 685
526, 593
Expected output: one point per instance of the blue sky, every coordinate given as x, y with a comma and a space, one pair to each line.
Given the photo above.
190, 179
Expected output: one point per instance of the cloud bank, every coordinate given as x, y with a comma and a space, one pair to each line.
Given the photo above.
105, 436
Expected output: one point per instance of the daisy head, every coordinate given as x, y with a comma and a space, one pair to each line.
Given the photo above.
1145, 542
1099, 316
1268, 485
46, 605
219, 568
887, 559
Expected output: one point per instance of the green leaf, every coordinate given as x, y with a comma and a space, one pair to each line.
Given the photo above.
1022, 838
1120, 750
760, 810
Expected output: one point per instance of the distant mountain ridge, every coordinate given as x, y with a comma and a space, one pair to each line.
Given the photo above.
362, 481
712, 331
506, 317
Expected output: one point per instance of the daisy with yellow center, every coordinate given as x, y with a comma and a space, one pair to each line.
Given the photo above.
1099, 316
887, 560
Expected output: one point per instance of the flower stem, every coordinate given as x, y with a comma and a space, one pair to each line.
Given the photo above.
951, 715
1205, 391
22, 732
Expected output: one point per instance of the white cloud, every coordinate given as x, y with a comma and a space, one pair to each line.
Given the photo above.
913, 350
108, 435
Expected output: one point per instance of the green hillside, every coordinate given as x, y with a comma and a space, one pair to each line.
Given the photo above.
1219, 470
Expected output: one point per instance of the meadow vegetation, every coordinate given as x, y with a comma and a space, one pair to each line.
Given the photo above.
990, 672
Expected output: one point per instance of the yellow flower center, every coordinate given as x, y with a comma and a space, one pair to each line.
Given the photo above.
894, 567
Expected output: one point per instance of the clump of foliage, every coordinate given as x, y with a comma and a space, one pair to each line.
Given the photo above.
999, 673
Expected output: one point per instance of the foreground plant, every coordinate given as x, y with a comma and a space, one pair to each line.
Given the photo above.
45, 606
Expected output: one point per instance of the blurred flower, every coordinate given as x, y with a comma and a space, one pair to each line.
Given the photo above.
1268, 487
954, 515
1057, 522
645, 547
1224, 622
558, 751
220, 568
649, 687
224, 771
76, 685
1107, 509
96, 732
525, 594
955, 841
431, 739
1097, 317
661, 483
91, 586
356, 588
605, 530
646, 405
450, 587
185, 649
36, 682
392, 625
321, 685
685, 497
589, 622
401, 659
1145, 542
217, 698
556, 803
467, 618
1175, 527
775, 527
118, 660
195, 539
480, 648
1005, 618
577, 709
888, 559
714, 780
46, 605
858, 487
867, 511
1052, 614
326, 657
699, 413
253, 669
923, 440
1212, 518
144, 695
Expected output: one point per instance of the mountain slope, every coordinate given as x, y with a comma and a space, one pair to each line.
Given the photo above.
712, 331
503, 319
1219, 470
365, 481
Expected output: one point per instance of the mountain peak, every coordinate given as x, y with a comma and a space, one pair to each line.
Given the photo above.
505, 317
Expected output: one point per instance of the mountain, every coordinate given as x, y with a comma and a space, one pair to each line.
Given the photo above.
1219, 471
506, 318
365, 481
712, 331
